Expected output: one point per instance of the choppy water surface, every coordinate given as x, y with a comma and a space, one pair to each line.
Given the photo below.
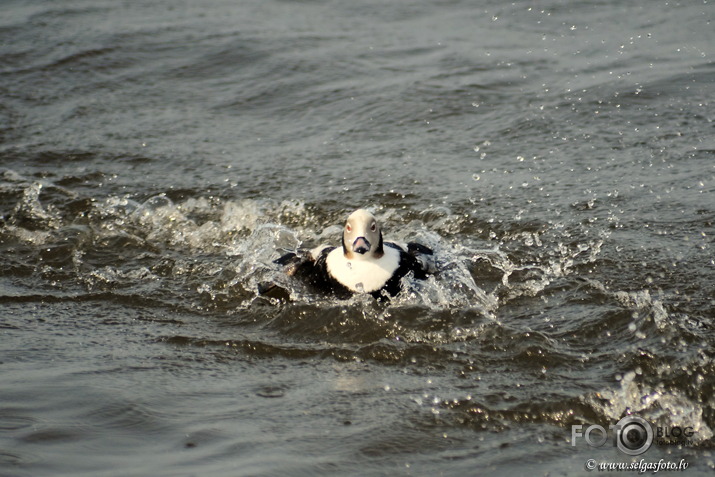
156, 156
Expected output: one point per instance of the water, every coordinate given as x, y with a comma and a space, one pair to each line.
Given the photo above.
154, 156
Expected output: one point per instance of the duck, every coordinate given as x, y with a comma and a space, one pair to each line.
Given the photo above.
362, 264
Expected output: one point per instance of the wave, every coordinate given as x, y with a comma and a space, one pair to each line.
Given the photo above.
522, 303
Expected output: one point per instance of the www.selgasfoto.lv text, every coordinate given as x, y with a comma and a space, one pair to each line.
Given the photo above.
641, 466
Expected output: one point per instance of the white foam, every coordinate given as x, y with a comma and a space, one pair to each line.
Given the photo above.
664, 407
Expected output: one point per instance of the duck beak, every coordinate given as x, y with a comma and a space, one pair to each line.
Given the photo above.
361, 245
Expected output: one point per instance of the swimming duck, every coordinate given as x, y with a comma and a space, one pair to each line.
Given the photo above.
364, 263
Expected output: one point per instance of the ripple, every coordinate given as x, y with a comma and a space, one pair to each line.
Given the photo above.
11, 421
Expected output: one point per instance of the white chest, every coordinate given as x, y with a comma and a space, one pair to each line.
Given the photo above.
363, 275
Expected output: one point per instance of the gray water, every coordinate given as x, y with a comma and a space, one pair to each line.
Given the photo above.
156, 156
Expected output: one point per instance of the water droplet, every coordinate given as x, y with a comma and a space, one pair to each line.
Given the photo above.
350, 265
359, 287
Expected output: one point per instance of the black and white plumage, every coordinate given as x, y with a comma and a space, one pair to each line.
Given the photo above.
363, 264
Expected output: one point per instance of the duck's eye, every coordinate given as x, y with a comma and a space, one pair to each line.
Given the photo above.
373, 227
348, 227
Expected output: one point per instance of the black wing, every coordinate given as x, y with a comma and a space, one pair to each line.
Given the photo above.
413, 260
313, 271
414, 248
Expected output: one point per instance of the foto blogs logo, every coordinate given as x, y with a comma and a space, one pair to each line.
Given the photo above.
633, 435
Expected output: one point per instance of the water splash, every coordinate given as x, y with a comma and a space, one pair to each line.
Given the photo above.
659, 405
